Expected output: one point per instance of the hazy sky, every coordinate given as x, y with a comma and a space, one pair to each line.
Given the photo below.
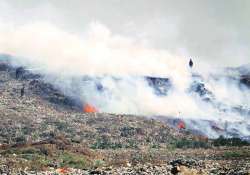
217, 31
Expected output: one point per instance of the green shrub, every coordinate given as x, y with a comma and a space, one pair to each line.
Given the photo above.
155, 146
236, 154
221, 141
98, 163
72, 160
232, 154
131, 144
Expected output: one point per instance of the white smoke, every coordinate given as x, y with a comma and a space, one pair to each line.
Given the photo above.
119, 63
97, 53
100, 53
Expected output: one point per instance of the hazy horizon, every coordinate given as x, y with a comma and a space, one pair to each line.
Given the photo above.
213, 31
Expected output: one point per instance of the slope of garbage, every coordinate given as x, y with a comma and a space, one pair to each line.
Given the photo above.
161, 87
45, 132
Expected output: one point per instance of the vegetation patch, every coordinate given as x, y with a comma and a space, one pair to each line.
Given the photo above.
185, 143
222, 141
68, 159
31, 157
37, 158
236, 154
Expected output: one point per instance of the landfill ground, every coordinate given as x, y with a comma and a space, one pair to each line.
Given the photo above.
41, 133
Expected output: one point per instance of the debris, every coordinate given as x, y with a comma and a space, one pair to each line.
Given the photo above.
19, 72
22, 91
191, 63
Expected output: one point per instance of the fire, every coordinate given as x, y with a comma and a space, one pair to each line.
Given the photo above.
62, 170
181, 125
87, 108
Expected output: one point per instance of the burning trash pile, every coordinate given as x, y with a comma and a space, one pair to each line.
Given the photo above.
150, 96
140, 81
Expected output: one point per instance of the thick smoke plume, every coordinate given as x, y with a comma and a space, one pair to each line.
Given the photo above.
108, 70
61, 55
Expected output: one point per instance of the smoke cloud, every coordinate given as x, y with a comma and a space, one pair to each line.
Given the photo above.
118, 57
99, 53
210, 31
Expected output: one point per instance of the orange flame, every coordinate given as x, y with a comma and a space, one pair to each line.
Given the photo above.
87, 108
62, 170
181, 125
